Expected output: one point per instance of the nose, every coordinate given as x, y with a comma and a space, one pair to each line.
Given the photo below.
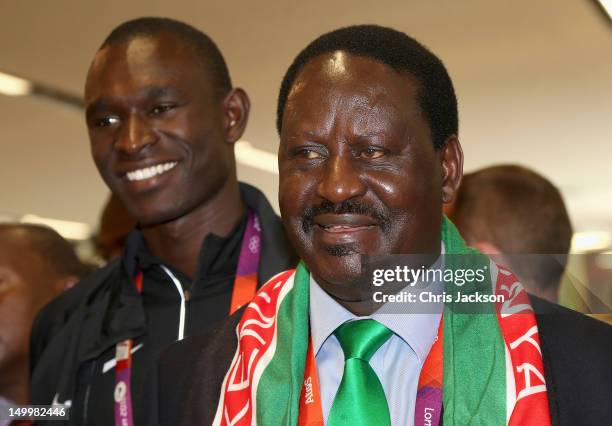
341, 180
135, 136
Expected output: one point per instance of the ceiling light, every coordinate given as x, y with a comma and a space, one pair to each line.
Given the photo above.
607, 6
248, 155
591, 241
14, 86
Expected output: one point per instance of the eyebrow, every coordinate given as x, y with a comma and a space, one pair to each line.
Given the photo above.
160, 91
147, 92
97, 105
313, 134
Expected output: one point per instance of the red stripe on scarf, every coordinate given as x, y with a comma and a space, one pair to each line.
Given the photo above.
255, 334
520, 330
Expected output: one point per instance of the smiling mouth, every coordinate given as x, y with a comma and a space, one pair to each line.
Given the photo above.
343, 223
149, 172
344, 228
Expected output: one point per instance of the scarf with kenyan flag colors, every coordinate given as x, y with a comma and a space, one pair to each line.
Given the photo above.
492, 365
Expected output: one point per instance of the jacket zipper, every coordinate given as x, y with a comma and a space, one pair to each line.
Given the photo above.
92, 370
179, 288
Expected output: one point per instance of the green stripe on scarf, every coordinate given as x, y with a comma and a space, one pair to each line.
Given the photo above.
474, 391
278, 393
474, 360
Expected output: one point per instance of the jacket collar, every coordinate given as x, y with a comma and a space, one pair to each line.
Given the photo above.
118, 313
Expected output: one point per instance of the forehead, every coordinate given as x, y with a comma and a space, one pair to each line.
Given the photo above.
161, 59
353, 83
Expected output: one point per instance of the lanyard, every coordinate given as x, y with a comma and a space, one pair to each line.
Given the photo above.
245, 287
428, 407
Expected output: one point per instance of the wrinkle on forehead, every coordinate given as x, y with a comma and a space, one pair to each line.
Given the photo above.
366, 110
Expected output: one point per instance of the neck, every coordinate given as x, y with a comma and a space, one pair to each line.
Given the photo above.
551, 295
14, 384
366, 305
178, 242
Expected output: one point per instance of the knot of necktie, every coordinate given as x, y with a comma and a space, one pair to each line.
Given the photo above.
360, 400
362, 338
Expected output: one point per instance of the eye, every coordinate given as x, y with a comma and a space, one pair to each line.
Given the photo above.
309, 154
160, 109
372, 153
106, 121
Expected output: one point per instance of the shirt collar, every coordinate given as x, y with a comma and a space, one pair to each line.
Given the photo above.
416, 330
325, 315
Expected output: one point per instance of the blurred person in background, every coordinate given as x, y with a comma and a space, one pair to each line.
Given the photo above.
163, 118
519, 217
36, 264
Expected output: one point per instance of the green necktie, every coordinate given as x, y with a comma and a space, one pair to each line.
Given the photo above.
360, 399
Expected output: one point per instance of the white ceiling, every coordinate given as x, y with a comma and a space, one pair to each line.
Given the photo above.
533, 80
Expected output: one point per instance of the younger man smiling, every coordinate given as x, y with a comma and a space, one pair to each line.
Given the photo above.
162, 118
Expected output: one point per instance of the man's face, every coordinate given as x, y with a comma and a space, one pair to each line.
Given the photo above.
358, 170
156, 127
20, 274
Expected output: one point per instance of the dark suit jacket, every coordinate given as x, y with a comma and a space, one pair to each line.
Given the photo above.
577, 354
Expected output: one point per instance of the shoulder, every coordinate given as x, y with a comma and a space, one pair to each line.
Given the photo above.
559, 325
277, 254
53, 316
57, 330
80, 294
576, 351
574, 340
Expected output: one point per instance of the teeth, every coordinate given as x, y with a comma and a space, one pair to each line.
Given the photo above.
149, 172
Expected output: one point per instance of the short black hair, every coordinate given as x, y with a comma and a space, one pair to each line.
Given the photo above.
404, 54
206, 49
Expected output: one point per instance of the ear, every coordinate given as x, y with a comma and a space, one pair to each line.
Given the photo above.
486, 248
236, 106
492, 251
452, 168
65, 283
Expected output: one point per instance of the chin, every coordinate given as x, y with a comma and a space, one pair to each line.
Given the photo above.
345, 287
336, 268
151, 217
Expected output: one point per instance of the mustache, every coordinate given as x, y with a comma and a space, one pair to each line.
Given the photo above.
346, 207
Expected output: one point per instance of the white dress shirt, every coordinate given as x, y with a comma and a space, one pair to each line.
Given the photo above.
397, 363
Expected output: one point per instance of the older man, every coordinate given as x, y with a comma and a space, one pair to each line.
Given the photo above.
162, 117
368, 154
